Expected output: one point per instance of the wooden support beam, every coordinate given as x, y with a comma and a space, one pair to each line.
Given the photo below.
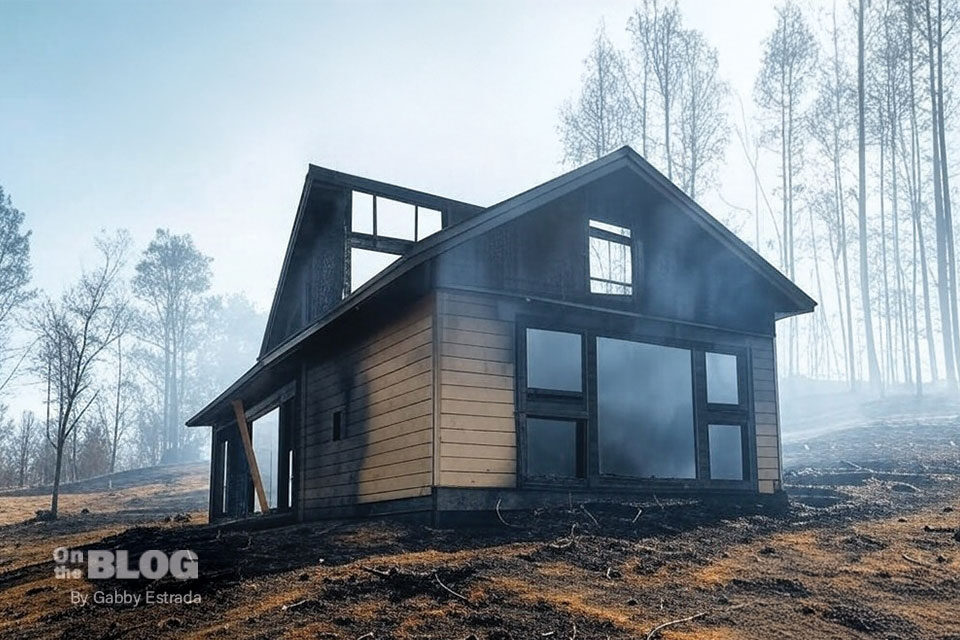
251, 458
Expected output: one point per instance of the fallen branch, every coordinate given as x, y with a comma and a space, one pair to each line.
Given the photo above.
291, 607
637, 517
657, 629
917, 562
379, 572
500, 516
568, 542
365, 636
448, 589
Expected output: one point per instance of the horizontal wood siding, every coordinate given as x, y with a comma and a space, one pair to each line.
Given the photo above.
477, 424
384, 386
764, 374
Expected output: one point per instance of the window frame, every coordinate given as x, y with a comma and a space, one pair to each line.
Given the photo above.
550, 404
610, 236
582, 407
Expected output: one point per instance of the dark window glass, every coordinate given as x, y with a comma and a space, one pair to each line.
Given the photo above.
551, 447
337, 425
722, 387
645, 410
554, 360
726, 452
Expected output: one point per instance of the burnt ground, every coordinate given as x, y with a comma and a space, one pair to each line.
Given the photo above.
867, 549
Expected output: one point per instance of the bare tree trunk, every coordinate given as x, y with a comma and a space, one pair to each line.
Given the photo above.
872, 364
945, 182
943, 251
55, 498
116, 410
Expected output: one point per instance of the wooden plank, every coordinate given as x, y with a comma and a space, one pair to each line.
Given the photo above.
476, 394
371, 487
363, 474
370, 368
765, 396
477, 353
474, 465
480, 380
478, 451
463, 479
251, 457
386, 432
767, 441
768, 474
768, 463
474, 338
478, 423
469, 365
363, 457
475, 437
324, 503
361, 447
482, 409
765, 486
387, 386
767, 430
480, 325
768, 452
765, 407
470, 309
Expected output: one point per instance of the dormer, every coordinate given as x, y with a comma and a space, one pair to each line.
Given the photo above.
348, 229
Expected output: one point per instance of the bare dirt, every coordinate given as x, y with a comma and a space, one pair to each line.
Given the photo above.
867, 549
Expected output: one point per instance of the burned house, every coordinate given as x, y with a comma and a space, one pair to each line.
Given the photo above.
599, 336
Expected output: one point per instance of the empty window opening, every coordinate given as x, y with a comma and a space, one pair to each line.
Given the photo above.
722, 385
553, 448
337, 427
645, 410
611, 259
266, 448
554, 360
726, 451
361, 219
225, 484
395, 219
365, 264
388, 218
429, 221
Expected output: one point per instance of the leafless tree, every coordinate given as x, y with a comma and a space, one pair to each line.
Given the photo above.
788, 64
702, 118
74, 334
602, 118
26, 437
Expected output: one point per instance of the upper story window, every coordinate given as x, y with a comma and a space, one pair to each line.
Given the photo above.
611, 259
388, 218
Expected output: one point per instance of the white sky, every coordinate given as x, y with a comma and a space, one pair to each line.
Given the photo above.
202, 117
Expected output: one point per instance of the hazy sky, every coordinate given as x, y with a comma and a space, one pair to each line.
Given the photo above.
203, 116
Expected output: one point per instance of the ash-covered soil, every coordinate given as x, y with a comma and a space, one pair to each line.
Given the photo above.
867, 549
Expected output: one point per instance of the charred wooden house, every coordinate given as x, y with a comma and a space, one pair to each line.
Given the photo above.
600, 336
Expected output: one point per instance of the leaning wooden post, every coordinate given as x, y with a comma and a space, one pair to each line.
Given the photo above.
251, 458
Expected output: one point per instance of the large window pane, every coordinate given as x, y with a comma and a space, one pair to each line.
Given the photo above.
395, 219
645, 410
611, 260
554, 360
722, 385
365, 264
551, 447
266, 448
726, 452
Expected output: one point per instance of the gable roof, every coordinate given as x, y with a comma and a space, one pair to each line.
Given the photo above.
510, 209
